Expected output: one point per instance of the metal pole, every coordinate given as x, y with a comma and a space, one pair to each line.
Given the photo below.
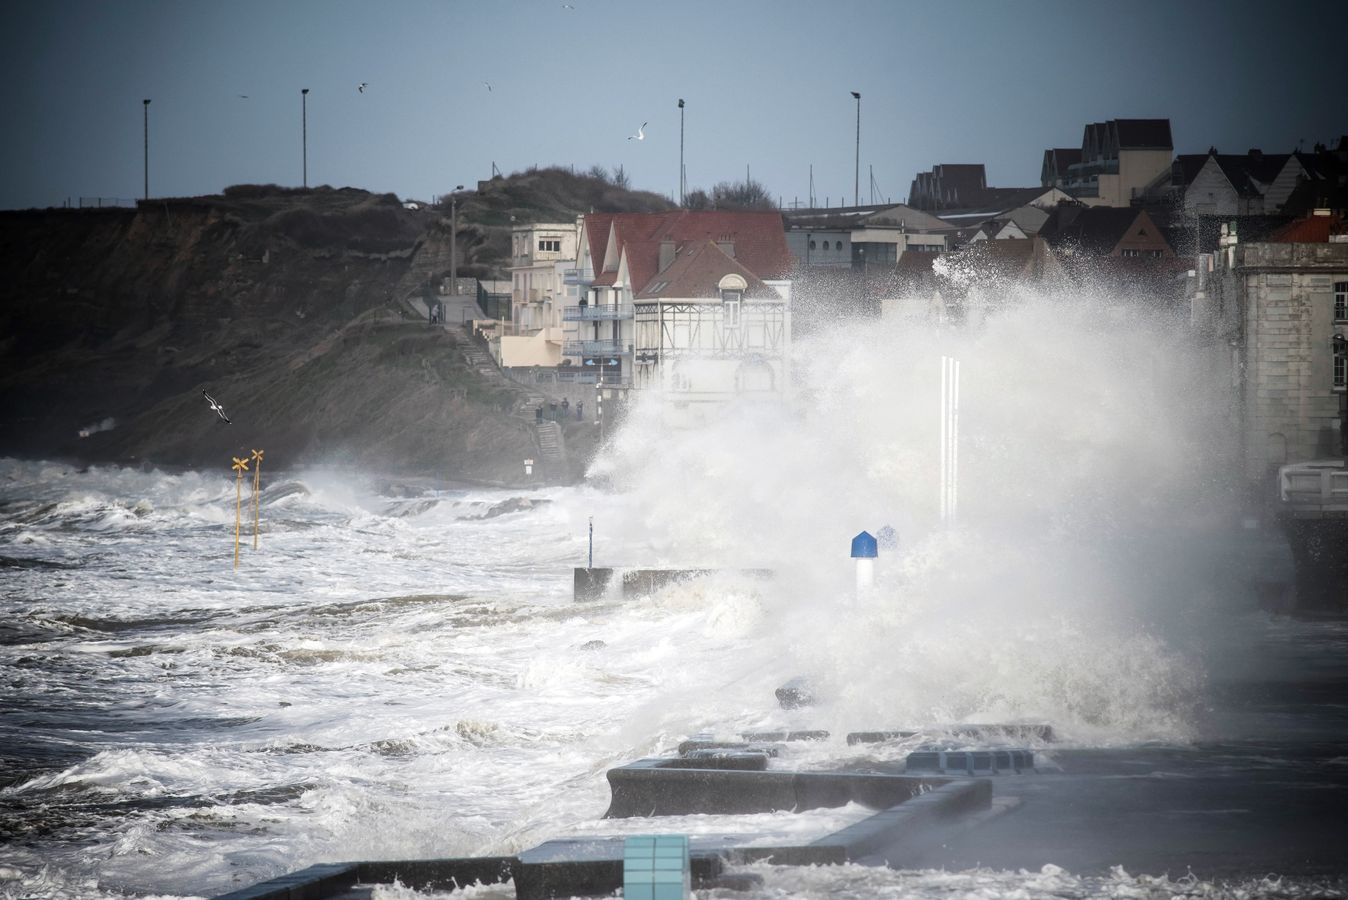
856, 180
146, 108
683, 181
453, 241
304, 132
590, 565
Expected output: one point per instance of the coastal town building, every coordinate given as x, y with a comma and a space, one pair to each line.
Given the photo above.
1002, 214
948, 186
1100, 231
693, 304
1269, 314
1118, 160
861, 237
539, 257
1256, 183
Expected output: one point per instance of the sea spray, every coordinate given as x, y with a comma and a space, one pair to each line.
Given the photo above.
1083, 436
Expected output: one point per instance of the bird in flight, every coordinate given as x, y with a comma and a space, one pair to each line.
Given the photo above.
217, 407
640, 135
567, 6
362, 86
487, 85
243, 96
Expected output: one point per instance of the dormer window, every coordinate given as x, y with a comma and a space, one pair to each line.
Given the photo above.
730, 315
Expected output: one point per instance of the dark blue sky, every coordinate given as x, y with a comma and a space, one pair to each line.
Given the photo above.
767, 85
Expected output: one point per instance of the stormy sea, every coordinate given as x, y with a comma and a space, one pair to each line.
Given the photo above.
399, 670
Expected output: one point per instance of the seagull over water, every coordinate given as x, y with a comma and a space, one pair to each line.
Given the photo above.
362, 86
217, 407
640, 135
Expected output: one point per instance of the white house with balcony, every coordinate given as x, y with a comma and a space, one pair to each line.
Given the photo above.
541, 254
693, 304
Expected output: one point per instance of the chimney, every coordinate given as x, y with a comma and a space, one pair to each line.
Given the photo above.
726, 243
666, 254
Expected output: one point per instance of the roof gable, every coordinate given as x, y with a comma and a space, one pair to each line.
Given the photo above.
696, 273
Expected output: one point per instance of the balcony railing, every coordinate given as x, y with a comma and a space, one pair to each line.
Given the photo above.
594, 348
598, 313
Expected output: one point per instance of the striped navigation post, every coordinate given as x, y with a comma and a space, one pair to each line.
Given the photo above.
950, 438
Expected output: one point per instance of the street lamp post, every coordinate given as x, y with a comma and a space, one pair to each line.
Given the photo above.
683, 181
453, 238
146, 108
304, 132
856, 179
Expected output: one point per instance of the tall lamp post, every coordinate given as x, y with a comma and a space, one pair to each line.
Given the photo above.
304, 131
146, 107
683, 182
453, 238
856, 179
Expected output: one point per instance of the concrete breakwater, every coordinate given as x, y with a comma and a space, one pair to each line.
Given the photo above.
595, 583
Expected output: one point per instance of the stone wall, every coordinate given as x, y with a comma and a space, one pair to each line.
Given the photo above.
1283, 294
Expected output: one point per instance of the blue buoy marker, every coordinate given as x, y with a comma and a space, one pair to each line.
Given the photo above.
864, 551
655, 867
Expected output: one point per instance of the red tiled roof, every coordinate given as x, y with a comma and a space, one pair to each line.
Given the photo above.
1310, 230
759, 239
696, 272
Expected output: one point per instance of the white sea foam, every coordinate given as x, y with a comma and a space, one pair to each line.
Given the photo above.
390, 675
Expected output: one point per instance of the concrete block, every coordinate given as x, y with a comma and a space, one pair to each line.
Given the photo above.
590, 584
877, 737
784, 736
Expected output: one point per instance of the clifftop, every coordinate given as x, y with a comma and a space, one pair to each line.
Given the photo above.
288, 305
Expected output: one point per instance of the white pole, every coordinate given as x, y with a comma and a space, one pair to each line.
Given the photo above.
865, 576
943, 437
955, 447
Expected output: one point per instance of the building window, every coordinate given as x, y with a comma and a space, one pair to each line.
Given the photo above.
550, 246
1131, 253
730, 314
812, 247
1341, 300
1341, 372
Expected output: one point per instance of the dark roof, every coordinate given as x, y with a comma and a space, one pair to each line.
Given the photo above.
1309, 196
1064, 157
1144, 134
1249, 173
1094, 230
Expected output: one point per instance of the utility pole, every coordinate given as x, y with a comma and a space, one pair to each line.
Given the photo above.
146, 107
304, 132
453, 239
856, 180
683, 179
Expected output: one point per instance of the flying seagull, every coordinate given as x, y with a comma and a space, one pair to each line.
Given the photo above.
243, 96
217, 407
640, 135
567, 6
487, 85
362, 86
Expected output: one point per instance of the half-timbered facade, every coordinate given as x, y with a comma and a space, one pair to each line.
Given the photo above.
690, 303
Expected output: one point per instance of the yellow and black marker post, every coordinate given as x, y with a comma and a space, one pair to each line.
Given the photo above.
257, 487
240, 466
